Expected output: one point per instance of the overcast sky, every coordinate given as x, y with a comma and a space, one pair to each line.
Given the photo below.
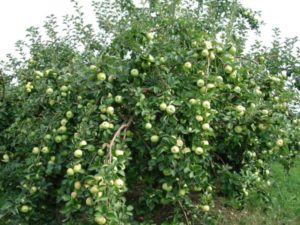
17, 15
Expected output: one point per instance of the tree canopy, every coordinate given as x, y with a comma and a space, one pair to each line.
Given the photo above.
147, 119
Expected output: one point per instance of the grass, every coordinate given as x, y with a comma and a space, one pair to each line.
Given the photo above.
283, 209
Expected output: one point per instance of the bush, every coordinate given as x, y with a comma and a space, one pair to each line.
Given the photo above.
147, 121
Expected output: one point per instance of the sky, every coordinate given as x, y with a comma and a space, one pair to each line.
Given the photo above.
17, 15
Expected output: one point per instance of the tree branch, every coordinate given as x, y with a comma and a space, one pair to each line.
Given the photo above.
117, 134
184, 213
3, 85
245, 58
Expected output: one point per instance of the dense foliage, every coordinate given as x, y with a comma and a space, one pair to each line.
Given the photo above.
147, 121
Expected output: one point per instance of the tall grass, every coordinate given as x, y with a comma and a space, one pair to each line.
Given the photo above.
283, 207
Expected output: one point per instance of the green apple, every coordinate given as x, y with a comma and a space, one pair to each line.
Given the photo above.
62, 130
167, 172
212, 55
205, 143
171, 109
194, 44
89, 201
154, 138
64, 122
94, 189
181, 192
70, 172
5, 158
77, 168
64, 94
119, 152
49, 91
187, 65
175, 149
93, 68
100, 152
110, 110
47, 137
162, 59
69, 115
91, 148
237, 89
205, 208
228, 69
58, 139
210, 86
105, 125
232, 50
166, 187
51, 102
134, 72
78, 153
45, 150
77, 185
64, 88
219, 49
74, 195
238, 129
24, 208
208, 44
193, 101
261, 59
148, 126
151, 58
257, 91
206, 104
200, 83
100, 220
179, 143
199, 118
206, 126
186, 150
240, 108
118, 99
199, 151
119, 183
262, 126
163, 106
33, 189
280, 142
101, 76
82, 143
205, 52
35, 150
150, 36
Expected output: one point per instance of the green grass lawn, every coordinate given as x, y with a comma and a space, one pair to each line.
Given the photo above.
284, 208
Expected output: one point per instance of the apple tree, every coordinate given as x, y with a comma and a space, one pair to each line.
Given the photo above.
146, 119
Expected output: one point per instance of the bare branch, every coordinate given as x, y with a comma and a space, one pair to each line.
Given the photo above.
184, 213
117, 134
